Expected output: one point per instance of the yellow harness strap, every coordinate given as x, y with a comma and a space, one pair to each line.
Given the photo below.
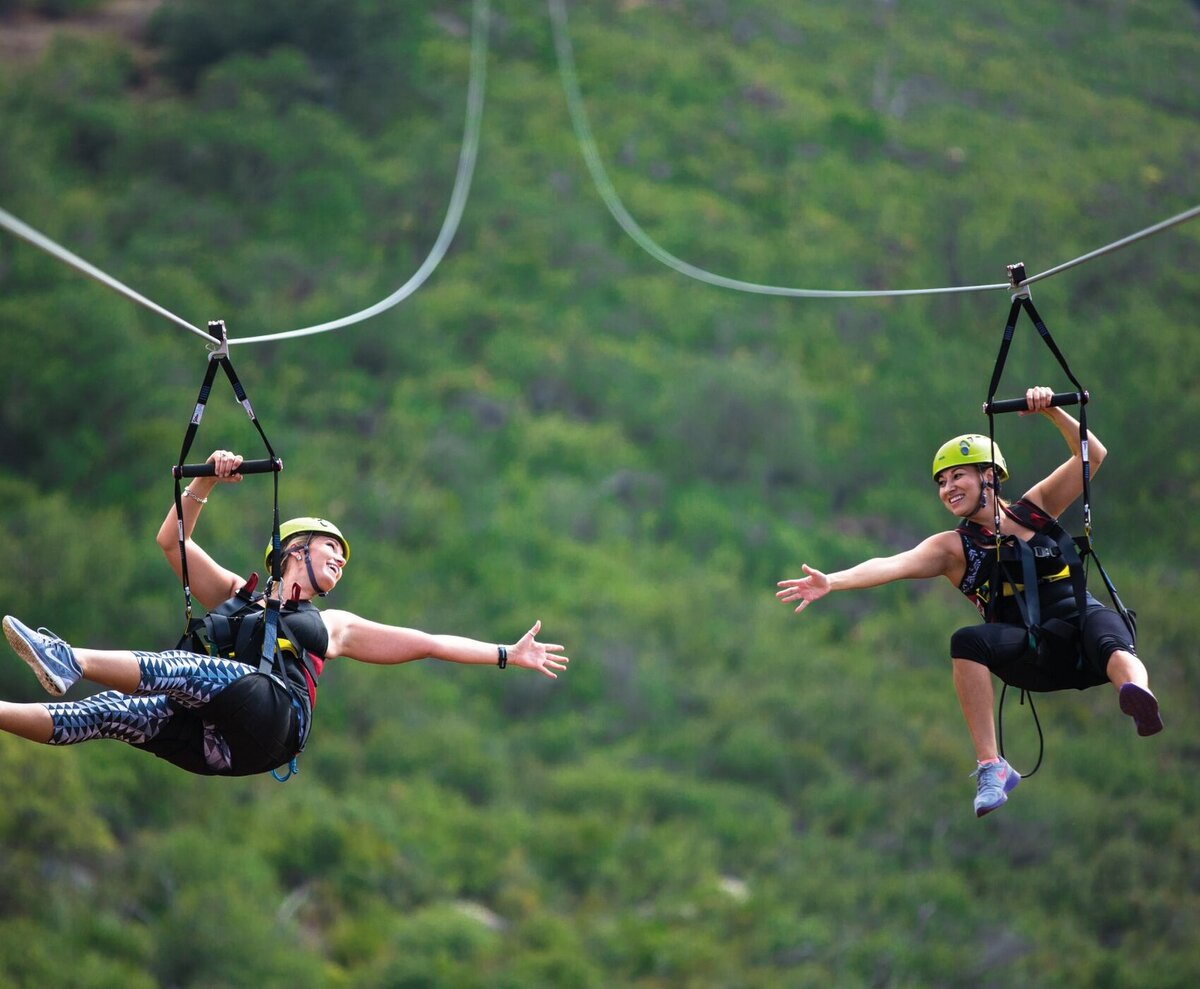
1010, 589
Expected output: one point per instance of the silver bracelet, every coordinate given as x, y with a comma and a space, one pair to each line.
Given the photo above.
196, 498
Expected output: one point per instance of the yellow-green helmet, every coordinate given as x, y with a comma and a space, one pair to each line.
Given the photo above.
303, 524
970, 448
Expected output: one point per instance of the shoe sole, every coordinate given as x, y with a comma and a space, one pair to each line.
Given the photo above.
22, 647
1142, 706
1010, 784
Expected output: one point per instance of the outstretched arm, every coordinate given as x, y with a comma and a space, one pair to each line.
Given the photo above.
1064, 484
210, 582
938, 556
373, 642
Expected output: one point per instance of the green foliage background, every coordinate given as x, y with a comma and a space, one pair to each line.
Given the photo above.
718, 794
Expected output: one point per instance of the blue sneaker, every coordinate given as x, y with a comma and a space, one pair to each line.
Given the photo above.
47, 655
1142, 706
996, 781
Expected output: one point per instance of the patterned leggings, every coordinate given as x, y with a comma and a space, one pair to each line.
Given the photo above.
169, 680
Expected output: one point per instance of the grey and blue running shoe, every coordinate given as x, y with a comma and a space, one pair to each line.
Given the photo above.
1142, 706
47, 655
996, 781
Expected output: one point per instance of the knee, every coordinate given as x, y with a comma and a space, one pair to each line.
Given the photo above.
967, 644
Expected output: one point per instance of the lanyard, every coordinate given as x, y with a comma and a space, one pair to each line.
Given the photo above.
219, 358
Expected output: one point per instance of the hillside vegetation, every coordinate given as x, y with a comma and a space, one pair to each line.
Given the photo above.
556, 426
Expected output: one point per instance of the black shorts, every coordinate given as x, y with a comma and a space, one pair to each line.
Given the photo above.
254, 715
1063, 660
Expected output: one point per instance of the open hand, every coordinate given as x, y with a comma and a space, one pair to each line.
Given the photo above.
534, 655
806, 590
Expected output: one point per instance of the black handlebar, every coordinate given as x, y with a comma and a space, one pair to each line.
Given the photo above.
1021, 405
209, 470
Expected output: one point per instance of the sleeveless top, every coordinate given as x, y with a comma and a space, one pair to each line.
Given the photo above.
303, 624
986, 577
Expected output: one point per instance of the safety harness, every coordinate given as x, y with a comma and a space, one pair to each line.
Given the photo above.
216, 625
1074, 552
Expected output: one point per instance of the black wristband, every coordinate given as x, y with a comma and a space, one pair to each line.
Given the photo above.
502, 653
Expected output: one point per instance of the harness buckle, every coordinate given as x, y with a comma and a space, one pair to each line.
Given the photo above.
1016, 275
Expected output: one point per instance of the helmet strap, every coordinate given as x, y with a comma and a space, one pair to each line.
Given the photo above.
312, 577
994, 484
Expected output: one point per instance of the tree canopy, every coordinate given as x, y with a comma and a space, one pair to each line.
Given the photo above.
556, 426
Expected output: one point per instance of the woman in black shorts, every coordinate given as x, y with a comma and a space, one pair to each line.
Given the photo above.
217, 714
1067, 652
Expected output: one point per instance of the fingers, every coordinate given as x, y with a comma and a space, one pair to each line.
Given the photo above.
1037, 398
551, 664
225, 463
544, 658
803, 589
792, 589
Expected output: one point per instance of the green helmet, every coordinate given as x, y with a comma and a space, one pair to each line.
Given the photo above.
970, 448
307, 524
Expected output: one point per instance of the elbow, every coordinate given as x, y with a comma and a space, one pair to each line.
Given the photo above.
168, 542
1096, 453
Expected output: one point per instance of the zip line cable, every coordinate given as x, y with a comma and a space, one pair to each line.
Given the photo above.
458, 198
468, 156
587, 146
26, 232
1116, 245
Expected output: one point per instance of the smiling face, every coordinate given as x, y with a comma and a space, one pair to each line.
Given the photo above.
961, 489
326, 556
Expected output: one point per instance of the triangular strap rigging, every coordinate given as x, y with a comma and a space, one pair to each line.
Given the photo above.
219, 357
1073, 551
1021, 300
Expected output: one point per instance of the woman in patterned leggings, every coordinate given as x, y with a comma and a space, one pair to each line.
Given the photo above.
217, 715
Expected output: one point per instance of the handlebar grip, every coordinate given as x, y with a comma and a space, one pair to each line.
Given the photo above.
1021, 405
209, 470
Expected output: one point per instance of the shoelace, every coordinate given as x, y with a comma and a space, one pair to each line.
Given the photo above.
982, 771
59, 648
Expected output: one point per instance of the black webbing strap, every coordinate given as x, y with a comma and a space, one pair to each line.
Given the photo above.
1027, 597
1025, 695
1021, 301
219, 357
1073, 550
205, 388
